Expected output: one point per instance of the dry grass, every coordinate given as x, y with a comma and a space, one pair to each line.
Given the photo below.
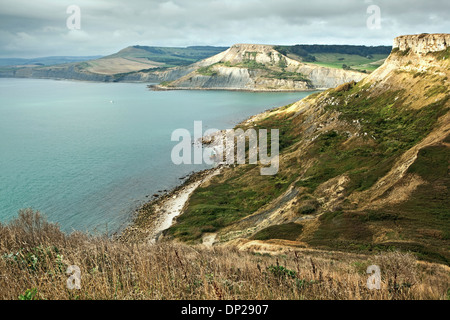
35, 254
120, 65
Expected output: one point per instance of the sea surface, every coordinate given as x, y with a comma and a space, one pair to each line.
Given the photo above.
87, 155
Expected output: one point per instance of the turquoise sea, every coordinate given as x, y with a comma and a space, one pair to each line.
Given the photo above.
88, 154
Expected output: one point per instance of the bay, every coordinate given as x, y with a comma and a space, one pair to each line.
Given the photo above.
88, 154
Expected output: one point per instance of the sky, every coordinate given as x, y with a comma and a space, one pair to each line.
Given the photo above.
38, 28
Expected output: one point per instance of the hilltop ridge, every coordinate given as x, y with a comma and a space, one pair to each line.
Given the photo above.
422, 43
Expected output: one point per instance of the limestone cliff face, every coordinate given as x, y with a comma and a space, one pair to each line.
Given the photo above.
413, 54
159, 76
422, 43
234, 78
260, 53
259, 68
226, 78
324, 78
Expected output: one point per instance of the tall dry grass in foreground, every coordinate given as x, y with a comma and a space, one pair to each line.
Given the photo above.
34, 256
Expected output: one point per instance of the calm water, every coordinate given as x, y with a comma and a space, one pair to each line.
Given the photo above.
88, 154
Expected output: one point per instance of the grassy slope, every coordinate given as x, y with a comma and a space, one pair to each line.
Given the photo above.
168, 56
143, 58
337, 60
387, 127
356, 62
34, 257
360, 58
137, 58
426, 211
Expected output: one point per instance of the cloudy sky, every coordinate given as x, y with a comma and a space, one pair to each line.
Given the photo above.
36, 28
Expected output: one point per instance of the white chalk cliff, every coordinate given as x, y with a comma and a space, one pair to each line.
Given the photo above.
229, 70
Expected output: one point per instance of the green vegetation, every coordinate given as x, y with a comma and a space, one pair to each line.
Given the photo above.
373, 130
401, 53
338, 228
284, 123
272, 73
170, 56
207, 71
393, 126
388, 130
120, 76
29, 294
424, 219
298, 51
436, 157
441, 55
288, 75
248, 63
282, 63
287, 231
307, 204
355, 62
281, 272
388, 127
250, 55
363, 51
361, 58
227, 200
251, 64
435, 90
165, 83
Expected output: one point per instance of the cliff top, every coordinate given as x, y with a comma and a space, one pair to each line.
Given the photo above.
423, 43
257, 47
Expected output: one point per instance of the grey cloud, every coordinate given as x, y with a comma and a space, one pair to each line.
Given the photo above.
37, 28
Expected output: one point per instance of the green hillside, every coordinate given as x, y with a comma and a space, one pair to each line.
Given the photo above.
170, 56
362, 58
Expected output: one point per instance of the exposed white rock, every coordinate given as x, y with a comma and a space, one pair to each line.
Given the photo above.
422, 43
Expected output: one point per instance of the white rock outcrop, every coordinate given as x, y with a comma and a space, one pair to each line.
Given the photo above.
422, 43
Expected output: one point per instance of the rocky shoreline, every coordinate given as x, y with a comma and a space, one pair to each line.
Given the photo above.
157, 87
156, 216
